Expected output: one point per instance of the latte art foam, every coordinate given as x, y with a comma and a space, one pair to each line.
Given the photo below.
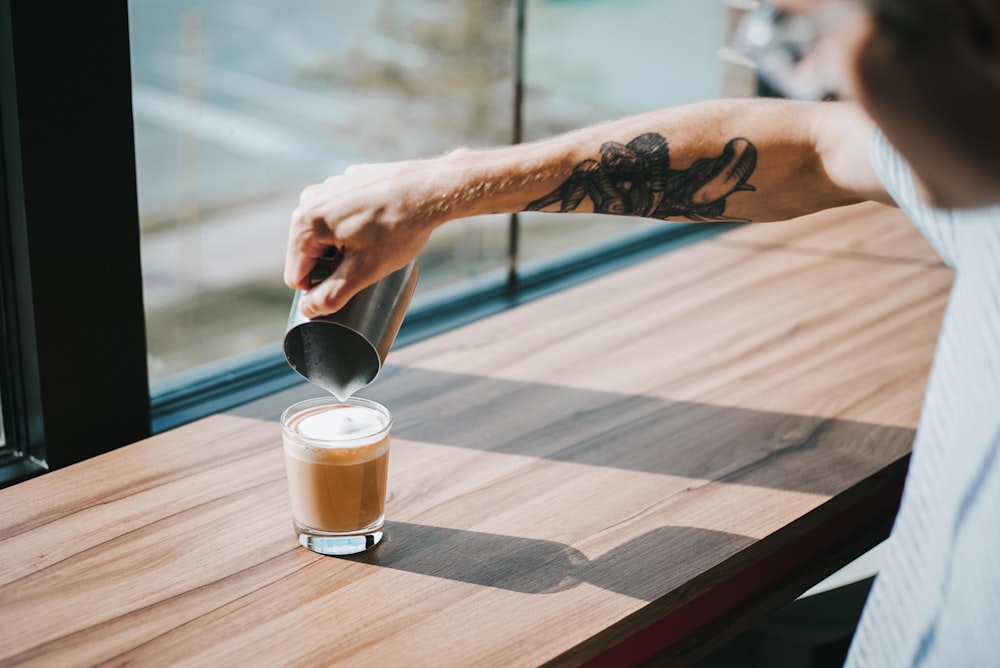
339, 424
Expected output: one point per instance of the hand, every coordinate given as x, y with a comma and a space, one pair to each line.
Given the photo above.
377, 216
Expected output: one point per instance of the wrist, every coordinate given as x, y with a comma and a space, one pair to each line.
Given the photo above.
467, 181
474, 181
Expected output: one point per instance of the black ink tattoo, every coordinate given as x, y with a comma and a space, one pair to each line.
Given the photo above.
635, 179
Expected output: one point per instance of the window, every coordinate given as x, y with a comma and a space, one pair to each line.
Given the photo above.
73, 369
183, 134
594, 61
239, 105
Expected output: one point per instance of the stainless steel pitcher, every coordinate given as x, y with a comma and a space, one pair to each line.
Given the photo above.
344, 351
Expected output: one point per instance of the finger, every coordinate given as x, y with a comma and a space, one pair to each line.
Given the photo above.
354, 169
304, 249
295, 258
298, 266
333, 294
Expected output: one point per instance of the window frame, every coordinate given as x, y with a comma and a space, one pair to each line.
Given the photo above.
74, 350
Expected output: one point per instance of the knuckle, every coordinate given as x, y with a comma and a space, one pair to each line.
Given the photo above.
308, 193
354, 169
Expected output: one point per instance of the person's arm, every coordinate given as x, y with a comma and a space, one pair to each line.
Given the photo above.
746, 160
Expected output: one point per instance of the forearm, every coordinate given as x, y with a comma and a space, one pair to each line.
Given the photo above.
750, 160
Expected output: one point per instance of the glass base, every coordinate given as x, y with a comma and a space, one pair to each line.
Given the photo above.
338, 544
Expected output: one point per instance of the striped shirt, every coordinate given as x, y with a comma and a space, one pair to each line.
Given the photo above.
936, 600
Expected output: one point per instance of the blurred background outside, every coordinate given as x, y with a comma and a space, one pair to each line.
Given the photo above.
239, 104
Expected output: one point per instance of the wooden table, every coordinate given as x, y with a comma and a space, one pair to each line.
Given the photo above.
645, 463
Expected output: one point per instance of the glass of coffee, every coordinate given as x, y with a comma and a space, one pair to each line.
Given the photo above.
337, 459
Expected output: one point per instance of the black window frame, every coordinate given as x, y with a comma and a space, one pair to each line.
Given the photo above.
74, 351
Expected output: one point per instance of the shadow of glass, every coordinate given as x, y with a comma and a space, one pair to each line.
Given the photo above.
523, 565
641, 568
695, 440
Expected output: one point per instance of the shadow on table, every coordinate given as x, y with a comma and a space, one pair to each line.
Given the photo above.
641, 568
680, 438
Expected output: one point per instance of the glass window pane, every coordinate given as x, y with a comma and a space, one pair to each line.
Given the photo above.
587, 62
241, 103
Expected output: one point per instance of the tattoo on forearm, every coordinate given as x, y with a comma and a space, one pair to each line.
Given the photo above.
635, 179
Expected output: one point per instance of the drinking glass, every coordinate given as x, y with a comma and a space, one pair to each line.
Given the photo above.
336, 459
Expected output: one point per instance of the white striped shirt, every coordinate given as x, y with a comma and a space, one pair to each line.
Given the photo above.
936, 600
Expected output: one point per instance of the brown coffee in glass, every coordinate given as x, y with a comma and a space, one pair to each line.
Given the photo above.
337, 460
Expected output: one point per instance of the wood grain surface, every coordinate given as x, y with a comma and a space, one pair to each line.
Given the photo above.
650, 460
